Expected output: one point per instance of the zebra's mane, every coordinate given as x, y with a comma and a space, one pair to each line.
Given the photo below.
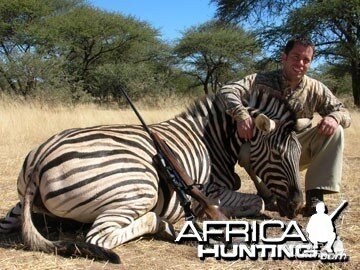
199, 107
257, 103
274, 105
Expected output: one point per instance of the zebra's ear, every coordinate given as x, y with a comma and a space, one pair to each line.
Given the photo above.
264, 123
302, 124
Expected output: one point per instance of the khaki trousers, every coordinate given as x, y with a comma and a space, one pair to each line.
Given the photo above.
322, 157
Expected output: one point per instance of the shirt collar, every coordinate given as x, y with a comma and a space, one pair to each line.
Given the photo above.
286, 83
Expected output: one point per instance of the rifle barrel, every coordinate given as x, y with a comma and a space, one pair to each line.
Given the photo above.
145, 126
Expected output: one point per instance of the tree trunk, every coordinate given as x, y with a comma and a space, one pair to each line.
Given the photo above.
8, 80
206, 88
355, 77
206, 83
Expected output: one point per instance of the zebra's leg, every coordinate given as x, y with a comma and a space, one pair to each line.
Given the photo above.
112, 229
236, 204
12, 221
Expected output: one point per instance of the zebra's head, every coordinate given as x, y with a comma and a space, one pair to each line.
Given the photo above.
275, 150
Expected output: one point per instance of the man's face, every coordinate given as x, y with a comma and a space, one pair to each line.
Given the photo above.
297, 62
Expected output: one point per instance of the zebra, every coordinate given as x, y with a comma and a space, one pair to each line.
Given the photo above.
105, 175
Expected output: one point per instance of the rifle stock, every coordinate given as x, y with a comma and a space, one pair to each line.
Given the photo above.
211, 210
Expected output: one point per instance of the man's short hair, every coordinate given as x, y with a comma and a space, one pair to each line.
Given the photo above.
303, 40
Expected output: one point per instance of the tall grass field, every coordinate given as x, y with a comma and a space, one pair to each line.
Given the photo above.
24, 126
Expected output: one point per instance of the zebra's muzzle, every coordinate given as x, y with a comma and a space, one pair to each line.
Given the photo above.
291, 207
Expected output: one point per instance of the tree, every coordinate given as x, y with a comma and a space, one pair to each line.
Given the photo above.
215, 53
334, 25
144, 69
68, 45
19, 39
330, 74
88, 37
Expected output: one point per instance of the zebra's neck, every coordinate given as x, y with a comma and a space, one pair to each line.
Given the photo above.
216, 129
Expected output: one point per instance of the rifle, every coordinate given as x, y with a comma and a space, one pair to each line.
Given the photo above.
175, 173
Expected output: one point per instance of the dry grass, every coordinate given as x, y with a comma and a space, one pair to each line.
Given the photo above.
22, 127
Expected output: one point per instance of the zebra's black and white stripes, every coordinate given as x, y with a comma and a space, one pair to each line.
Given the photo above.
105, 175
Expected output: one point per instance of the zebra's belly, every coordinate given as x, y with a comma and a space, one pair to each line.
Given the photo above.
85, 195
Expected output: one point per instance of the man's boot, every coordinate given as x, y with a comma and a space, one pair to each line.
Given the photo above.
313, 197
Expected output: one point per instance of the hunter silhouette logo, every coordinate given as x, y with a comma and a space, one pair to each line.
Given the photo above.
239, 240
321, 229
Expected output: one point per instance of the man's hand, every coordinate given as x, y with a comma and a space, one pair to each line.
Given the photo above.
245, 128
327, 126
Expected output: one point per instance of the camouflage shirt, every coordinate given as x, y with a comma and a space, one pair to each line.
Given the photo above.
310, 96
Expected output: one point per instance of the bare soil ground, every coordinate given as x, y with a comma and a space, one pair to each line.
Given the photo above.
23, 128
